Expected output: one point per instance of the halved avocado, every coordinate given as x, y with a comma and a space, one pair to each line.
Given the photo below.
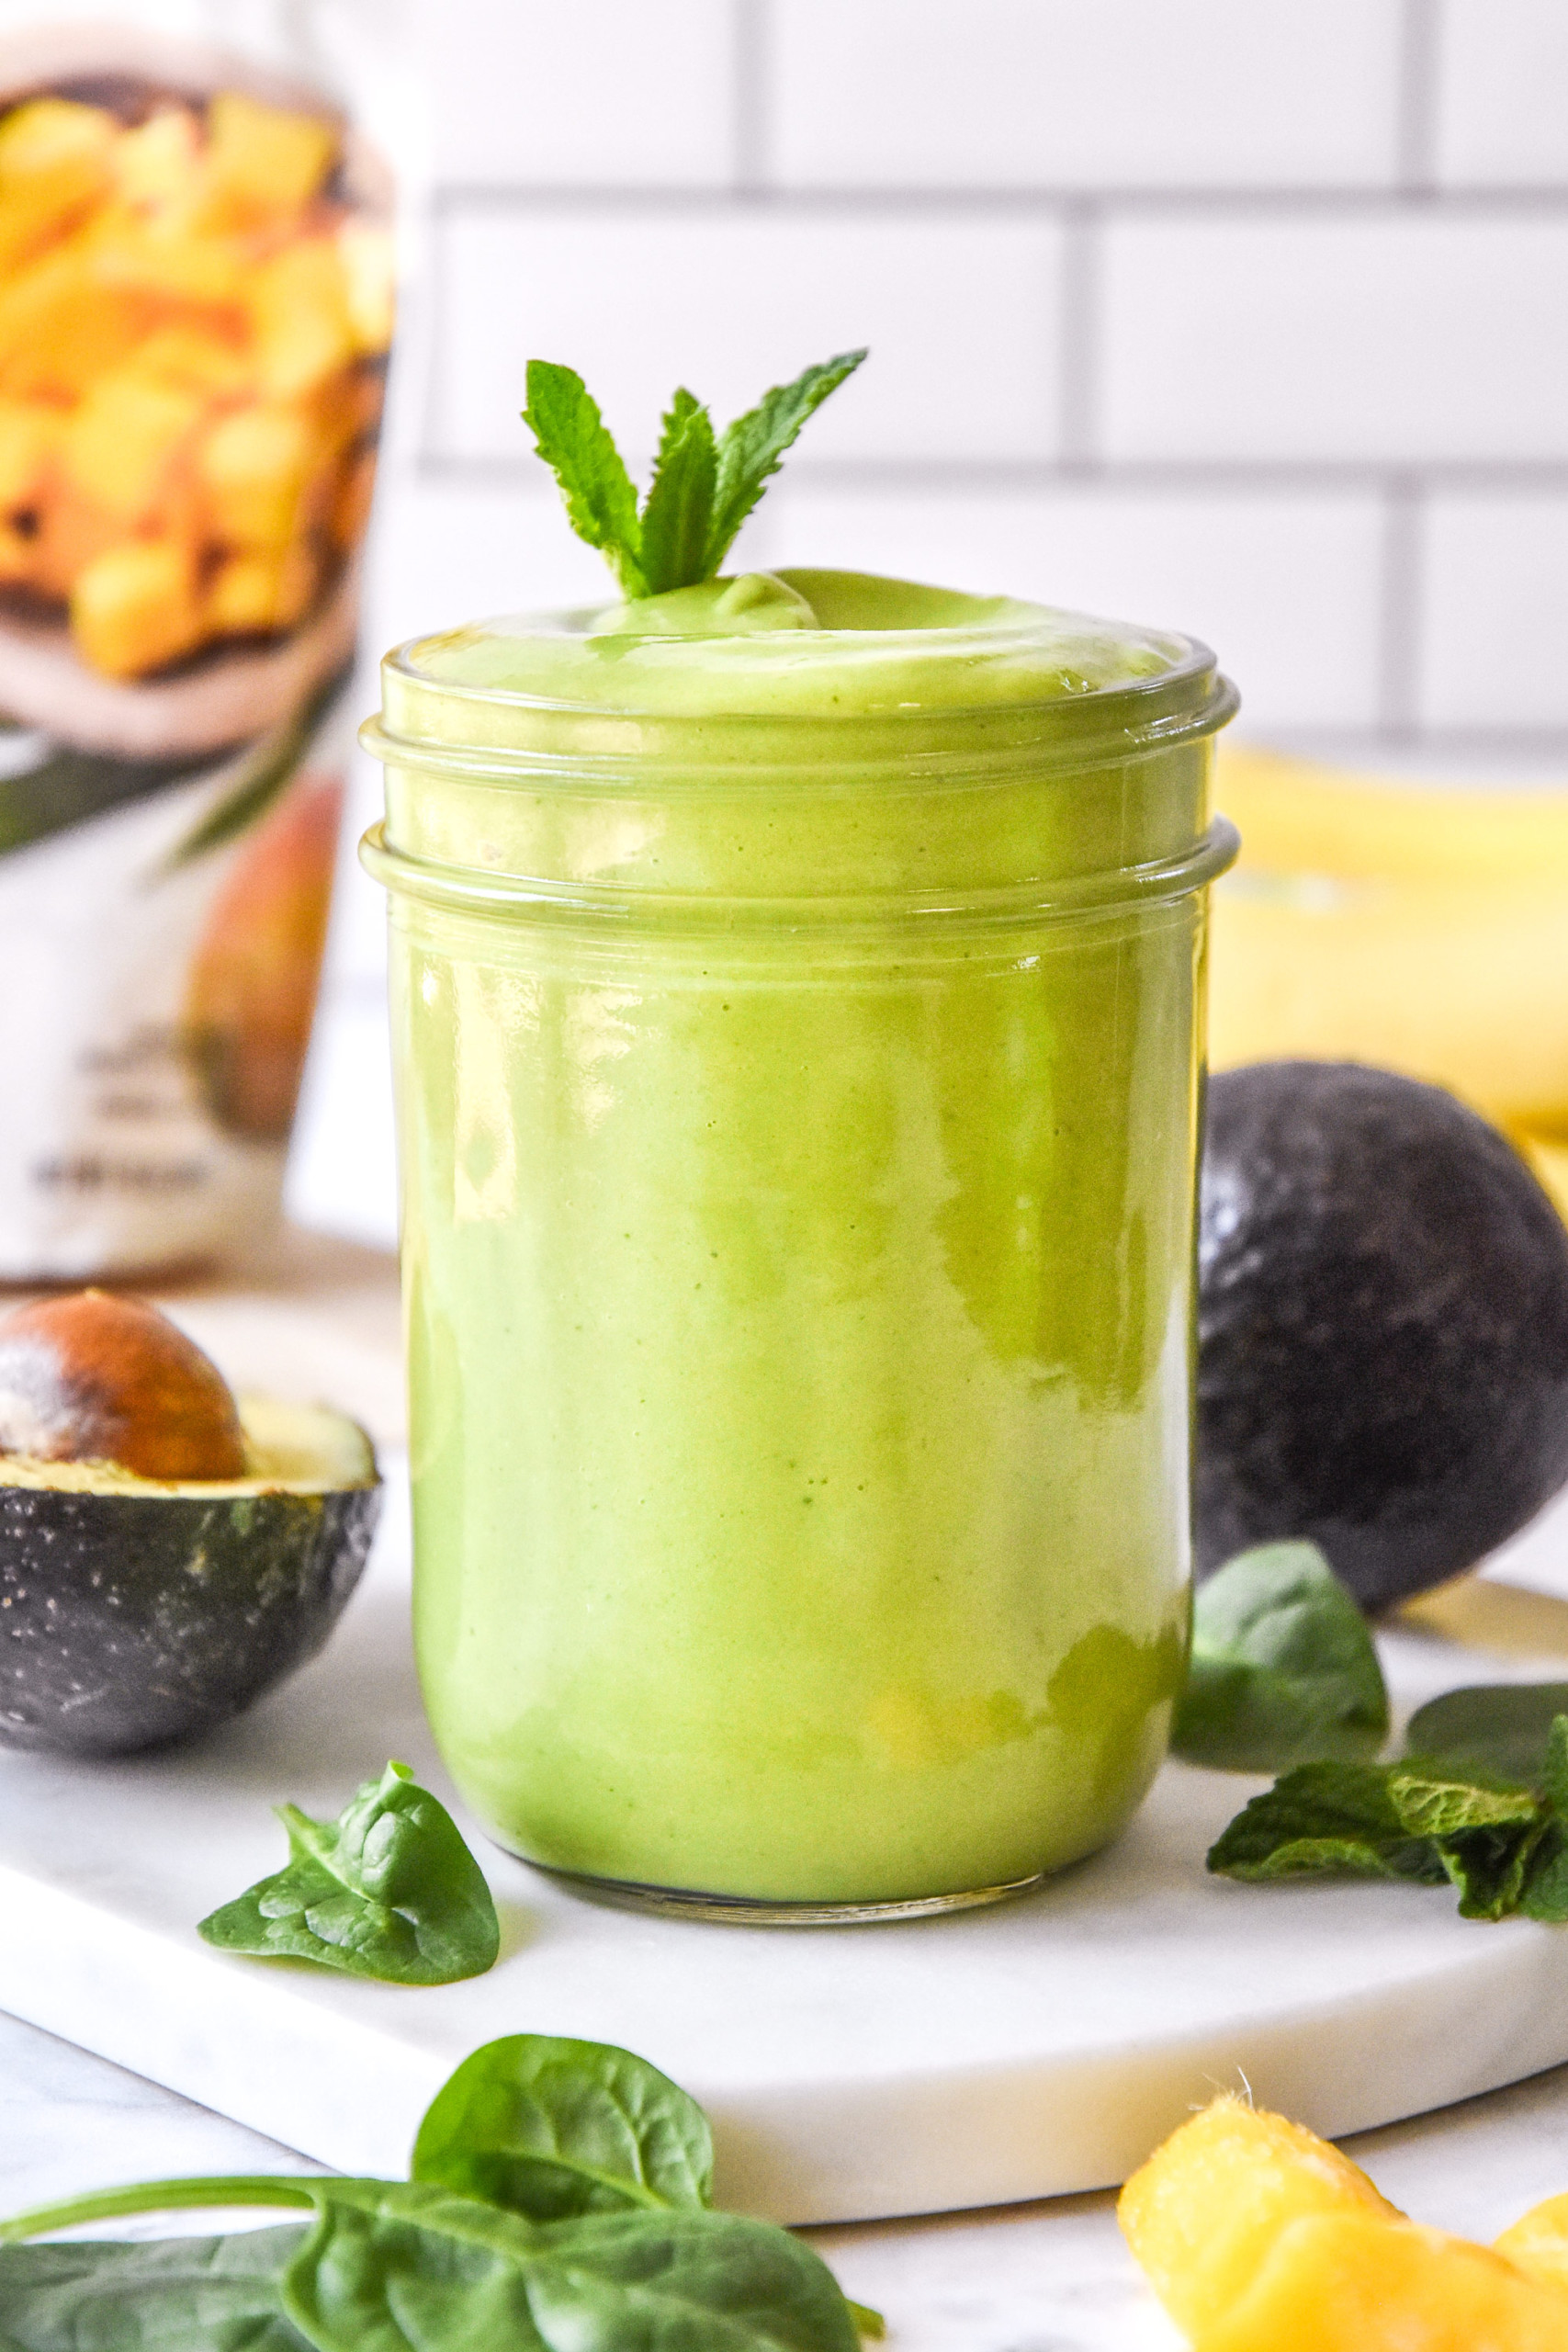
135, 1611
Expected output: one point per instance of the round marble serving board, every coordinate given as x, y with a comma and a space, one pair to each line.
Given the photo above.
1039, 2046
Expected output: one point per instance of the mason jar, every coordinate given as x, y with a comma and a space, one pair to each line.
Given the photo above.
797, 1035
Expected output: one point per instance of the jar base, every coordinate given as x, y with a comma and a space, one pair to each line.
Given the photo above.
760, 1911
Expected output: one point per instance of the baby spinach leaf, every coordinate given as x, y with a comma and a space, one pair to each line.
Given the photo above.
180, 2294
1501, 1727
550, 2127
397, 2264
1283, 1669
389, 1890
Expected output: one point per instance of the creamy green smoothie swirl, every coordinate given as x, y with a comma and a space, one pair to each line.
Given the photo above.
797, 988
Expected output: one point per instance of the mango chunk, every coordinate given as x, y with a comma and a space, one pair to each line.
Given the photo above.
1538, 2242
299, 304
157, 166
54, 165
134, 607
369, 284
263, 162
1202, 2214
260, 592
1355, 2282
253, 467
124, 437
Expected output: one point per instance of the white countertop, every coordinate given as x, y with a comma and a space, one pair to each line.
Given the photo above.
1046, 2277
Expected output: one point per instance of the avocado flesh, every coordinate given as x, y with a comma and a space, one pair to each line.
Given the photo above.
291, 1448
135, 1612
1382, 1328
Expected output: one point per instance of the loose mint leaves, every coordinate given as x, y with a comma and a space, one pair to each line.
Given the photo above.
1282, 1670
599, 2235
387, 1889
1504, 1846
703, 487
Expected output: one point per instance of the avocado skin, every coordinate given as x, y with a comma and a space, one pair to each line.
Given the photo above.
130, 1620
1382, 1328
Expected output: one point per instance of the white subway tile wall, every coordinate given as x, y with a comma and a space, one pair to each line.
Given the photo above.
1252, 319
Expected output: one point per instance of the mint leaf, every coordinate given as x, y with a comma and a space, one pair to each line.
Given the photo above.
1501, 1727
1324, 1817
576, 443
677, 518
1282, 1670
750, 448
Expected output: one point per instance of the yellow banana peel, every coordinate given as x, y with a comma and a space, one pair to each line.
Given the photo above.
1420, 928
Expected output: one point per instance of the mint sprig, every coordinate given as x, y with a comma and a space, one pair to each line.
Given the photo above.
1504, 1847
702, 488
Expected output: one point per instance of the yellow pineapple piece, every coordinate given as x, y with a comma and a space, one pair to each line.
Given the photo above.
1202, 2213
1538, 2242
369, 284
263, 163
54, 166
123, 439
1354, 2282
134, 607
253, 467
158, 165
29, 434
260, 592
299, 308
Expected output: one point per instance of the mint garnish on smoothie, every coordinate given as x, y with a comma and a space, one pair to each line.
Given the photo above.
704, 486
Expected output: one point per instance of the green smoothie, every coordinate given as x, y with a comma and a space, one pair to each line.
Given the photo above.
796, 1017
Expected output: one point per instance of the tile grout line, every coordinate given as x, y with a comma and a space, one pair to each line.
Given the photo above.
1401, 598
1079, 377
749, 41
1415, 130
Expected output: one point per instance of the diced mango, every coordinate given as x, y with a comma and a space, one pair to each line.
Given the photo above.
54, 166
264, 160
369, 284
260, 593
1538, 2242
201, 358
254, 465
158, 165
125, 436
30, 433
300, 305
135, 607
1202, 2213
1355, 2282
62, 325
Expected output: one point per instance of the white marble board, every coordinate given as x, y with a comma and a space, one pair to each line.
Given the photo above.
1038, 2048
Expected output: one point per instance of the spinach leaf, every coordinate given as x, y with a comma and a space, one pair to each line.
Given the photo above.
1282, 1670
550, 2127
389, 1890
220, 2294
1501, 1727
397, 2264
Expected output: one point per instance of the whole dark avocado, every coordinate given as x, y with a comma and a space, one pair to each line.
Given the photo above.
1382, 1328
